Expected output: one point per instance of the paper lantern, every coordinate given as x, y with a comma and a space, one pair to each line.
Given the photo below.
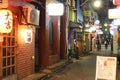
6, 21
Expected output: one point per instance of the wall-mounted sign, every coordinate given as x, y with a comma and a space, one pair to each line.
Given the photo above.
116, 22
28, 36
6, 21
114, 13
55, 9
106, 68
87, 13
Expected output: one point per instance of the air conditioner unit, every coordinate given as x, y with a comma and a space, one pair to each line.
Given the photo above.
31, 15
3, 3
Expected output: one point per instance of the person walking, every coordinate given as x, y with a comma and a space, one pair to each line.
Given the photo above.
106, 43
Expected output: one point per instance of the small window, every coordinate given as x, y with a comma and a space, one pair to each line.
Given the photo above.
8, 56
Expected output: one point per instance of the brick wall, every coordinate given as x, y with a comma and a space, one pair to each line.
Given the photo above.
25, 51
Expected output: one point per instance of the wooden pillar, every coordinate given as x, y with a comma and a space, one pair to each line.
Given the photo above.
63, 53
43, 37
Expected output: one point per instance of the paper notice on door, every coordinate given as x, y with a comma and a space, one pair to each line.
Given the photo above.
106, 68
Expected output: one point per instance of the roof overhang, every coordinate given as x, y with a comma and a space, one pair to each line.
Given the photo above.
75, 25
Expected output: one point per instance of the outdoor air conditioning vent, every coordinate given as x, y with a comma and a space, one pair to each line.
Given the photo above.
34, 17
31, 15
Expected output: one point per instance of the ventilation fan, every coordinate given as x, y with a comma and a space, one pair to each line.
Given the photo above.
31, 15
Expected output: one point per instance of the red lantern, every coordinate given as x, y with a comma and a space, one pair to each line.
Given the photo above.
6, 21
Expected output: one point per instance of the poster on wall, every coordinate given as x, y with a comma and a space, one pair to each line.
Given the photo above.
106, 68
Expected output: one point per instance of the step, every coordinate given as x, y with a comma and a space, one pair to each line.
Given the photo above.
36, 76
56, 67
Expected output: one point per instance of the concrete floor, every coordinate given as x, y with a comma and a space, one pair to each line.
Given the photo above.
84, 68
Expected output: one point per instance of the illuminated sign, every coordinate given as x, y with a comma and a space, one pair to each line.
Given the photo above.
6, 21
116, 2
114, 13
87, 13
55, 9
28, 36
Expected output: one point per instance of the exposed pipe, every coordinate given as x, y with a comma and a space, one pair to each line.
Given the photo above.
84, 3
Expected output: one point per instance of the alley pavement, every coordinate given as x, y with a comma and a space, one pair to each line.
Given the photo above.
84, 68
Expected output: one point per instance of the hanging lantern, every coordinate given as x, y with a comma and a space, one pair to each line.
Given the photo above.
6, 21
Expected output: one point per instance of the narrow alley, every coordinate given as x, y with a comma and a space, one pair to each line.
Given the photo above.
84, 68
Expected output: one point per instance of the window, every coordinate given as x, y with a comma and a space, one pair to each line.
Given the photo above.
7, 52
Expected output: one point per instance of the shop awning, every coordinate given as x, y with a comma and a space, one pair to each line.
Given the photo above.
75, 25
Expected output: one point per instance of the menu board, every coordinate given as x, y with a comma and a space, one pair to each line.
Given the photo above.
106, 68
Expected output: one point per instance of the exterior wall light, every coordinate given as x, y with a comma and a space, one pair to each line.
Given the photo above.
55, 9
6, 21
28, 36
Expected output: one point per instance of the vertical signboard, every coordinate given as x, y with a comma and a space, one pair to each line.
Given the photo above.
106, 68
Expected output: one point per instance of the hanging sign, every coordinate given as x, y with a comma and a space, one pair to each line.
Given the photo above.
6, 21
116, 2
87, 13
106, 68
114, 13
55, 9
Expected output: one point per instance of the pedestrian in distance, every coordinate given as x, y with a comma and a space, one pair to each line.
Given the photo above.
106, 43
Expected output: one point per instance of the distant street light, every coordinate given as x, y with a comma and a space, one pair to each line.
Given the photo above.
105, 24
106, 29
97, 3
